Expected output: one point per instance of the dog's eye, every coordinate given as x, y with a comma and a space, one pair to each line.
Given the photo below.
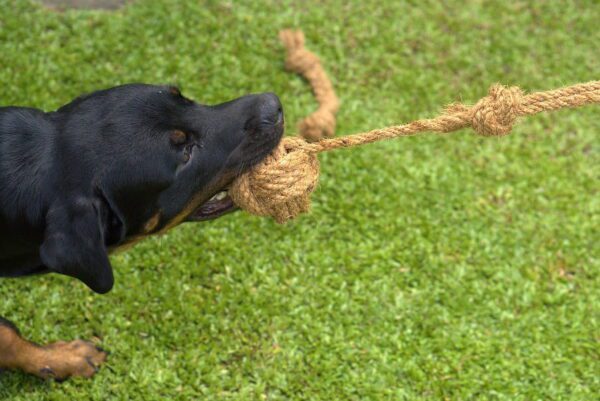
178, 137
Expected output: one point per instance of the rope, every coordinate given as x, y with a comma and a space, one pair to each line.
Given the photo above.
281, 185
321, 123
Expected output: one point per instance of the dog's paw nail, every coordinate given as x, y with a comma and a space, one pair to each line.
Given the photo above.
89, 361
47, 372
100, 349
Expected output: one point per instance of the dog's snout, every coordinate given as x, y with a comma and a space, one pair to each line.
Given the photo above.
269, 109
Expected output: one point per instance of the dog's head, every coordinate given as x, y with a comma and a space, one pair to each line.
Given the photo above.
140, 159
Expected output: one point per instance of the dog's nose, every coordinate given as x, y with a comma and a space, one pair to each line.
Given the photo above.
270, 109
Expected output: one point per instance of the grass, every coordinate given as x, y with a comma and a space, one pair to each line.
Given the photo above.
437, 267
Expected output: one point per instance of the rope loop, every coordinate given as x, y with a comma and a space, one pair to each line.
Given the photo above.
321, 123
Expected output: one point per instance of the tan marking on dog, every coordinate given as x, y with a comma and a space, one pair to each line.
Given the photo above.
129, 243
58, 360
152, 223
148, 229
188, 209
178, 137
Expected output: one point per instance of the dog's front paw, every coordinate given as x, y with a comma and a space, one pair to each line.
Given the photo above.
62, 360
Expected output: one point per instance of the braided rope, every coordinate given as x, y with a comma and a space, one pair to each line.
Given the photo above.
281, 185
321, 123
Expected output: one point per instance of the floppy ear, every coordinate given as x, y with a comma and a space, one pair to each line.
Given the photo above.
74, 243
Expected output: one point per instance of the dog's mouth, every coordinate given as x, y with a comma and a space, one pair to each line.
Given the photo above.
219, 205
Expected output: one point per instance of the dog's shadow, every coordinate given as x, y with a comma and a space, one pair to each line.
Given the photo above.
14, 384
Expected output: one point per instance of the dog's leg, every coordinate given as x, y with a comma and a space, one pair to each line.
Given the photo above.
58, 360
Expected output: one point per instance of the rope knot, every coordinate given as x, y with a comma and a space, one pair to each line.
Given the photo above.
495, 114
280, 186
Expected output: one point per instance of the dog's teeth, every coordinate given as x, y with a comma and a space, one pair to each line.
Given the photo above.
221, 195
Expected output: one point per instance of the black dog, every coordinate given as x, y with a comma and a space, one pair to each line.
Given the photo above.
104, 171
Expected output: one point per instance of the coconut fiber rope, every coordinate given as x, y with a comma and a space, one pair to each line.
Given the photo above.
281, 185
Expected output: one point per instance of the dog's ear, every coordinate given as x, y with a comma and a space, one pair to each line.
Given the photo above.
74, 243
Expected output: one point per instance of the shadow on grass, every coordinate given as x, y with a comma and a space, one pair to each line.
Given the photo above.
14, 384
61, 5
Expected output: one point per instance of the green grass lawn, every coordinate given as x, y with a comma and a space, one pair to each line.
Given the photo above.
435, 267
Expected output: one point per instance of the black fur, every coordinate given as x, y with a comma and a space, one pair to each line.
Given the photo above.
79, 181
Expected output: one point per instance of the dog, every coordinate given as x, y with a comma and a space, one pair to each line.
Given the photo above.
104, 171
